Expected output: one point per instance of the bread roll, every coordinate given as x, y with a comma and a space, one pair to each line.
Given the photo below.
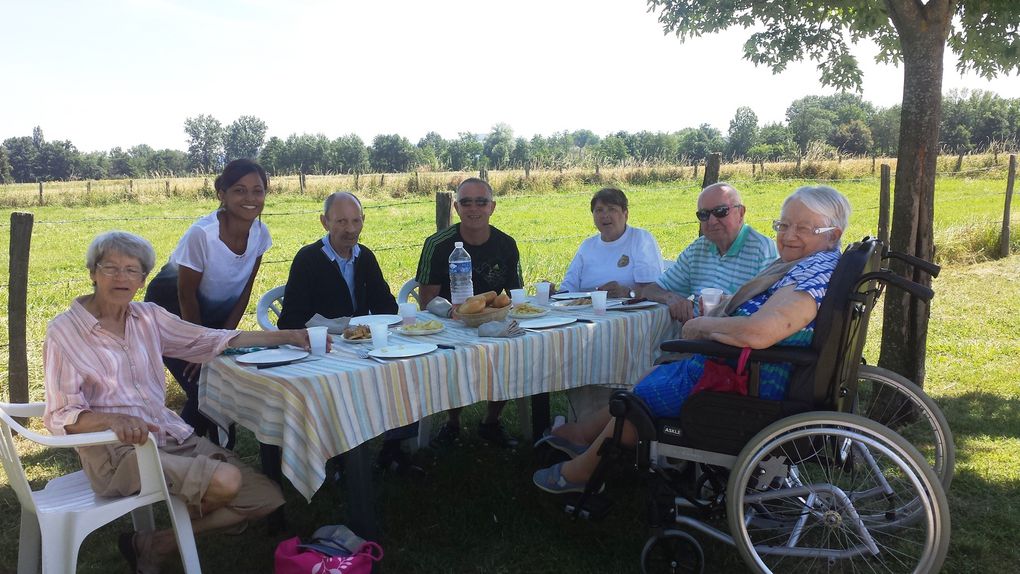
501, 300
471, 306
489, 296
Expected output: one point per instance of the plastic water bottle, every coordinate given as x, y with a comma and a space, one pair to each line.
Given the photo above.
461, 286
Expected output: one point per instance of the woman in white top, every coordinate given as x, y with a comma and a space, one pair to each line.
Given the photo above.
209, 276
621, 259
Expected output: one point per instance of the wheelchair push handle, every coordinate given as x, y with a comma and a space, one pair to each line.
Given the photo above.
890, 278
926, 266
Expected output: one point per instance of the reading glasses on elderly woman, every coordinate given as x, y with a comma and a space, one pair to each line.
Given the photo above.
799, 230
113, 271
476, 201
719, 212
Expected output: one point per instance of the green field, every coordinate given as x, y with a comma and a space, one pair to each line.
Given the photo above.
477, 512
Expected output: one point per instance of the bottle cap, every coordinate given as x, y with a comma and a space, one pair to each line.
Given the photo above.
458, 244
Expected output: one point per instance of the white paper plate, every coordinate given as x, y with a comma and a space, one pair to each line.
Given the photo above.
566, 306
546, 322
272, 357
570, 295
631, 307
376, 319
403, 330
401, 351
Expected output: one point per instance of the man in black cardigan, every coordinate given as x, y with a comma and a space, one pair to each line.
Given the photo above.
338, 277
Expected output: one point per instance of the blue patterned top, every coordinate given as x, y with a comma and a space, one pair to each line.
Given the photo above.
667, 387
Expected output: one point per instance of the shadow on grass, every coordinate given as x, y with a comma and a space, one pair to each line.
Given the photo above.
477, 511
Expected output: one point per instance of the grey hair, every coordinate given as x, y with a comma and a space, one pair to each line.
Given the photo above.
731, 192
825, 201
472, 180
124, 243
333, 197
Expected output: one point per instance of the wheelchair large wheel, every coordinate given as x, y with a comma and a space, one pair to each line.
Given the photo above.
836, 492
672, 552
892, 400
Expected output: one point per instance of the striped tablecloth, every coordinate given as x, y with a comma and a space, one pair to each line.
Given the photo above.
317, 409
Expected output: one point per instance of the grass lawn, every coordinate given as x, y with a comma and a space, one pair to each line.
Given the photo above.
476, 511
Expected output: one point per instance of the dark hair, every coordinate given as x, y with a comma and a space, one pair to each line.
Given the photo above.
237, 169
472, 180
609, 196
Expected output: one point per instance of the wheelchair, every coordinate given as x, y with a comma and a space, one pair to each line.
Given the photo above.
820, 481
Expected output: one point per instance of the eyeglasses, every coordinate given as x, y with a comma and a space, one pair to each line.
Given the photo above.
476, 201
719, 212
798, 230
112, 271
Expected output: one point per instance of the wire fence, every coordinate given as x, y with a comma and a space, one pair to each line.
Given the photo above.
672, 189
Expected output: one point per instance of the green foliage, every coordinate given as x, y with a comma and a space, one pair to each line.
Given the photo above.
743, 132
205, 143
5, 167
244, 138
391, 153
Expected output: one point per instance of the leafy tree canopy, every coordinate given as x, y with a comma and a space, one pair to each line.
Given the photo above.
985, 34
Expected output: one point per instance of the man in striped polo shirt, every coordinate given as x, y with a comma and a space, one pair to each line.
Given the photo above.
728, 254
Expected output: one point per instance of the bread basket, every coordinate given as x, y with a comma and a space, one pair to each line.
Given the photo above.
486, 315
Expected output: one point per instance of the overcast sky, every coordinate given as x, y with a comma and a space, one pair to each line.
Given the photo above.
106, 73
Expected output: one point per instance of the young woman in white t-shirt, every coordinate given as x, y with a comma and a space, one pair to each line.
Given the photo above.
209, 276
621, 259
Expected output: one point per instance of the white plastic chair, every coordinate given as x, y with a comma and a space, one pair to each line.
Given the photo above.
56, 519
409, 291
667, 263
271, 301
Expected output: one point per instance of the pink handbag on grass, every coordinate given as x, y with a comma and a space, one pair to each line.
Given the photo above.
290, 559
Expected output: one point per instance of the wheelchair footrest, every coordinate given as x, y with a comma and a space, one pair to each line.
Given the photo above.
595, 507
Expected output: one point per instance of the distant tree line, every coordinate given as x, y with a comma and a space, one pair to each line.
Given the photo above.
818, 126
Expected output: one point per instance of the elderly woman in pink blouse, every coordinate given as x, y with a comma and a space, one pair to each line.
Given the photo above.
104, 372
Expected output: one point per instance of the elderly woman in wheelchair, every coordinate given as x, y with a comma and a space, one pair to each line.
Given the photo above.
777, 306
803, 484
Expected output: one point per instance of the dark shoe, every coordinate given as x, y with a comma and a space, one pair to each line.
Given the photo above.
398, 462
447, 436
496, 434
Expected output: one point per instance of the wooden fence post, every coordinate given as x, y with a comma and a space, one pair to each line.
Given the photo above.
40, 194
1004, 240
17, 293
357, 177
695, 176
168, 188
88, 188
444, 206
883, 206
711, 169
527, 170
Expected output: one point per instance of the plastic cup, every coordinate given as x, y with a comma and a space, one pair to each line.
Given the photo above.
542, 292
710, 299
317, 339
518, 296
380, 334
408, 313
598, 301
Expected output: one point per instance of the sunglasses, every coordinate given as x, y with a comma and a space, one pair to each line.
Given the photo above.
476, 201
719, 212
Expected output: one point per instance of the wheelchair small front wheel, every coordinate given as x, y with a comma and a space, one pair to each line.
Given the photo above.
672, 552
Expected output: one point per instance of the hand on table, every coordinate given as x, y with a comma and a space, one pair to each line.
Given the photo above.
680, 308
616, 290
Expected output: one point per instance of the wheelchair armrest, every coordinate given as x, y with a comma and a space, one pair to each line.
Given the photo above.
777, 354
629, 406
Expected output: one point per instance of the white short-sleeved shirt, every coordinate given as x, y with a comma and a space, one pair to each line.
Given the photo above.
224, 273
633, 258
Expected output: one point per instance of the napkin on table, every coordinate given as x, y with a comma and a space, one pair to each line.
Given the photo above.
440, 307
500, 329
334, 326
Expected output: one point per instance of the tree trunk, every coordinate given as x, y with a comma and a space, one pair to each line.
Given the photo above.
923, 30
